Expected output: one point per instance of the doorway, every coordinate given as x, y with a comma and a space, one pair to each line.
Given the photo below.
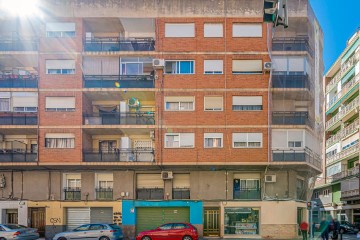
211, 222
38, 220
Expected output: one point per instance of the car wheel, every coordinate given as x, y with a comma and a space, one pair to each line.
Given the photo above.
342, 230
187, 238
61, 238
146, 238
2, 238
104, 238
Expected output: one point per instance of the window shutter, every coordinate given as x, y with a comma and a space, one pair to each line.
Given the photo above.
187, 139
24, 99
279, 139
60, 64
295, 136
213, 135
149, 181
247, 66
247, 30
239, 137
59, 135
92, 66
110, 66
179, 99
179, 30
105, 177
247, 100
213, 65
181, 181
60, 27
73, 176
246, 175
60, 102
213, 103
296, 64
255, 137
280, 63
5, 95
213, 30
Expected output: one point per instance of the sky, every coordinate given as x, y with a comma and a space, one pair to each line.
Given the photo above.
339, 20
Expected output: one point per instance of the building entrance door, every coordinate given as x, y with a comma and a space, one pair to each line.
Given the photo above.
211, 222
38, 220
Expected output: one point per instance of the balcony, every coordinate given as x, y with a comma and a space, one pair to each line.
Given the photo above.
18, 119
343, 133
120, 81
106, 44
104, 193
247, 194
290, 81
120, 155
292, 44
150, 193
181, 193
344, 174
18, 44
346, 153
8, 155
72, 193
18, 81
126, 118
291, 118
300, 155
347, 109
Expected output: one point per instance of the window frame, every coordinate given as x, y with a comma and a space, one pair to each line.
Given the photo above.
179, 105
326, 192
221, 141
179, 136
222, 104
247, 23
214, 72
9, 103
214, 23
247, 140
179, 72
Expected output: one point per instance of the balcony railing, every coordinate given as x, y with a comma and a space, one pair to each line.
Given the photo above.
247, 194
104, 193
150, 193
292, 44
348, 108
119, 81
72, 193
344, 174
343, 133
8, 155
343, 154
181, 193
18, 81
120, 155
117, 44
126, 118
18, 44
291, 118
350, 193
18, 119
300, 155
290, 81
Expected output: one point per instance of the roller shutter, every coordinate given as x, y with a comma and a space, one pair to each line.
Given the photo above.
76, 217
101, 215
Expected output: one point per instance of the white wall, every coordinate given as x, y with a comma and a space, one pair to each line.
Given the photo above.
22, 211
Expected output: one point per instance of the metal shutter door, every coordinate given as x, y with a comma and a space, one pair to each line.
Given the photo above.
148, 218
181, 214
101, 215
77, 217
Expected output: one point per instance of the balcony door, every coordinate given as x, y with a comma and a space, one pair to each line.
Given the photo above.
107, 146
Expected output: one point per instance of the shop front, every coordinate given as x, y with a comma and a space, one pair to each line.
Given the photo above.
241, 221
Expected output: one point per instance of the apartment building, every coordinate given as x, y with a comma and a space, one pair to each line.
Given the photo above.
338, 192
146, 112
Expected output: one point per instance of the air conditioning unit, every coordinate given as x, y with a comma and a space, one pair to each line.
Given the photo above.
267, 66
166, 175
152, 134
158, 63
270, 178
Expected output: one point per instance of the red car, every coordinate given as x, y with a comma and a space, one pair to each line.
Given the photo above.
170, 231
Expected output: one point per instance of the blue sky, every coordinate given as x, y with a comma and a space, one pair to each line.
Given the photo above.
339, 20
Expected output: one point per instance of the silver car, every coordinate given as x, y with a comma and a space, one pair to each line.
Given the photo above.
18, 232
94, 231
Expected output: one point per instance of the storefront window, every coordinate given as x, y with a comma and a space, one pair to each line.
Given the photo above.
244, 221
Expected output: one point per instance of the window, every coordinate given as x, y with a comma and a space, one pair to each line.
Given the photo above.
247, 103
60, 104
24, 102
104, 180
212, 103
179, 67
247, 30
166, 226
4, 104
326, 192
63, 67
291, 65
72, 183
179, 140
25, 109
294, 144
213, 140
135, 66
247, 66
212, 30
316, 195
59, 140
179, 103
241, 221
181, 186
60, 29
247, 140
213, 66
180, 30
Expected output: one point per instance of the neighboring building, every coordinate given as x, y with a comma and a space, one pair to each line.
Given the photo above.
143, 112
342, 136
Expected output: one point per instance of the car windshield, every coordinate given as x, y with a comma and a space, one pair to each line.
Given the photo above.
14, 226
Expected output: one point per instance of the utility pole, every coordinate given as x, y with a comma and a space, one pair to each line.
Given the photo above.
310, 206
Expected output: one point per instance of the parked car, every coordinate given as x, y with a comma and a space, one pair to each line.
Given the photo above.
173, 231
97, 231
18, 232
346, 227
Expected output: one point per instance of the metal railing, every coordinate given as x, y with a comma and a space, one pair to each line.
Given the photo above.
118, 44
120, 155
72, 193
247, 194
297, 155
8, 155
150, 193
119, 81
290, 81
104, 193
18, 119
344, 174
349, 193
292, 44
292, 118
126, 118
181, 193
343, 133
348, 108
18, 81
343, 154
19, 44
